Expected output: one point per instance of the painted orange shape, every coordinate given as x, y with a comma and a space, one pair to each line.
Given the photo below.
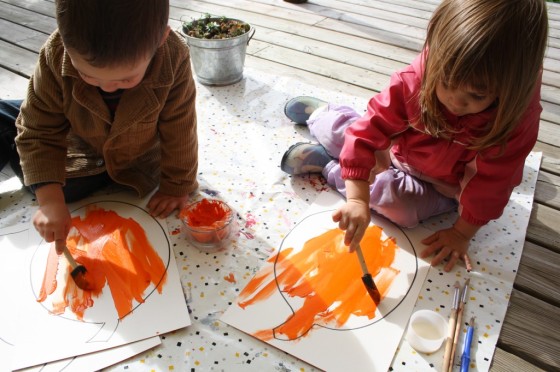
115, 251
328, 280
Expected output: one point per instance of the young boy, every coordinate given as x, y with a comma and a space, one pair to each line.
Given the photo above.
112, 99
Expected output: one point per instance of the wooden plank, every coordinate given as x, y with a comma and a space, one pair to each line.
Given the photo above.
531, 331
506, 362
550, 94
548, 130
538, 273
40, 7
17, 59
24, 17
404, 41
551, 157
12, 86
372, 7
550, 77
307, 77
335, 70
22, 36
240, 9
543, 227
548, 189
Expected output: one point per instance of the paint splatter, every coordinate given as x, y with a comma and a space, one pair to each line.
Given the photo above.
250, 220
116, 252
326, 278
230, 278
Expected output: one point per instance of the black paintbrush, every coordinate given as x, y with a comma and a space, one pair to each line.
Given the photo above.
367, 278
78, 271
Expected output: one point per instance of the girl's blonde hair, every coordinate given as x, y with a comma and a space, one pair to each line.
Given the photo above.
494, 46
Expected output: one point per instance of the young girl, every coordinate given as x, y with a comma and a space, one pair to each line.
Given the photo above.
451, 129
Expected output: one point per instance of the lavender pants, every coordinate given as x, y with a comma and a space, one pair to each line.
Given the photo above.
395, 194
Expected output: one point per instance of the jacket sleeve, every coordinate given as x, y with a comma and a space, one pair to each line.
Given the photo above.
490, 177
178, 134
41, 124
387, 115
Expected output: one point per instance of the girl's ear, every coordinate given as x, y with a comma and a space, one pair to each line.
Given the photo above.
165, 35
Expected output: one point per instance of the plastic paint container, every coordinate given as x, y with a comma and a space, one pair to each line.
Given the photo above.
207, 224
426, 331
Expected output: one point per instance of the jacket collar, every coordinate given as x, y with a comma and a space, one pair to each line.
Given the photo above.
137, 101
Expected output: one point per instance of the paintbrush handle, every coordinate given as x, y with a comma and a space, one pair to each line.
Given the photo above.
69, 257
450, 338
361, 259
456, 336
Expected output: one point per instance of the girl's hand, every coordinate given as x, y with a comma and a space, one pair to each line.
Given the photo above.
447, 243
161, 205
354, 216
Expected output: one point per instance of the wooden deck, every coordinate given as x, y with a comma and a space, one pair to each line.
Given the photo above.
353, 46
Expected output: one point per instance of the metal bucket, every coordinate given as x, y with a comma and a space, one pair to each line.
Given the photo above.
219, 61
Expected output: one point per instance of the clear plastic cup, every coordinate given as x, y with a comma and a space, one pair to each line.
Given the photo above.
426, 331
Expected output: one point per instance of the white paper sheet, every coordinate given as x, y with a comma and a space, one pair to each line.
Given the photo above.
55, 337
360, 343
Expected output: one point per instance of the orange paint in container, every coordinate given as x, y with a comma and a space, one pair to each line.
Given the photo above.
207, 224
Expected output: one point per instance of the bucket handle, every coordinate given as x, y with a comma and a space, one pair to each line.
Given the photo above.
251, 36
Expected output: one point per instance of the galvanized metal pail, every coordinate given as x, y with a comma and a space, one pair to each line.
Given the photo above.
219, 61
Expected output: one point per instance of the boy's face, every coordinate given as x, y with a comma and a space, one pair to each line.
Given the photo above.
463, 100
110, 79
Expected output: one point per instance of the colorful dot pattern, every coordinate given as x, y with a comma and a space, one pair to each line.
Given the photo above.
243, 134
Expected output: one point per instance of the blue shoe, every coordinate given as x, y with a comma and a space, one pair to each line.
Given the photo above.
304, 158
299, 109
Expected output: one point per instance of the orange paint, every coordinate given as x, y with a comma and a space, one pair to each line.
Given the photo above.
206, 220
230, 278
328, 280
116, 252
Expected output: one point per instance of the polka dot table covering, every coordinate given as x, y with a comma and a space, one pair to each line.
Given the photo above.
243, 134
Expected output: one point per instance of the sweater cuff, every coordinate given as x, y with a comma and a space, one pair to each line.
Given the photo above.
36, 186
355, 173
472, 219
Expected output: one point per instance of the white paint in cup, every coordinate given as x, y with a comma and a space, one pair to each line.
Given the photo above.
426, 331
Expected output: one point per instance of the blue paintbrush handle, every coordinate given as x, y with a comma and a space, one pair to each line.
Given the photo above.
466, 357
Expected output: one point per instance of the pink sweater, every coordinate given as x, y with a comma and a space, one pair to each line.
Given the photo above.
482, 181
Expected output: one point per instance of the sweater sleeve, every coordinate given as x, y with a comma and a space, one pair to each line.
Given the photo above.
42, 126
490, 177
178, 133
387, 115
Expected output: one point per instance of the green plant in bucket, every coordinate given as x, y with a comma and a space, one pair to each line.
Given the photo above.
208, 27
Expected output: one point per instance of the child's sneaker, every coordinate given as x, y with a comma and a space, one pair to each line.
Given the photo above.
305, 158
299, 109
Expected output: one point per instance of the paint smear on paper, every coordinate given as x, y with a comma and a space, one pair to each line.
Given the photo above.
116, 252
327, 279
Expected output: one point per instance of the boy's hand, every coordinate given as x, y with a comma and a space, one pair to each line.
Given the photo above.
447, 243
354, 216
52, 220
161, 205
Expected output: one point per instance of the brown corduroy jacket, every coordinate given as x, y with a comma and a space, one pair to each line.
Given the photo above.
65, 129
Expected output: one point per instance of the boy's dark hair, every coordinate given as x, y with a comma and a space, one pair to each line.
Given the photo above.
112, 32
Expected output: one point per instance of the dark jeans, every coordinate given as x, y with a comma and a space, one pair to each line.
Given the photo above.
75, 188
